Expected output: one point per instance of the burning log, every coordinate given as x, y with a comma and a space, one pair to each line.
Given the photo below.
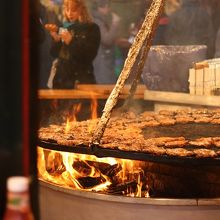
122, 187
86, 167
101, 166
113, 170
53, 163
82, 167
90, 182
144, 36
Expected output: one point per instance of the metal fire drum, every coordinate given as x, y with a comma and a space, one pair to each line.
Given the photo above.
60, 203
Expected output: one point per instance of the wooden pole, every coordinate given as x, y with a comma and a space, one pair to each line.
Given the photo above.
137, 76
144, 35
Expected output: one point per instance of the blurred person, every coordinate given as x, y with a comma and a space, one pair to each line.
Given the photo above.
55, 6
108, 23
216, 14
191, 25
171, 6
217, 45
47, 15
75, 45
213, 9
159, 37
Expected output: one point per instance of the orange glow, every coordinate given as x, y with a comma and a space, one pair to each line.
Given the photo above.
94, 115
76, 110
139, 186
89, 173
147, 195
94, 105
67, 127
72, 117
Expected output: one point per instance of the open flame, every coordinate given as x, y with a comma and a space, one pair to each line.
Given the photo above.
94, 106
72, 116
89, 173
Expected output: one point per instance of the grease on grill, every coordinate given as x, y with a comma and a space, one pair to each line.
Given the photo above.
167, 133
190, 131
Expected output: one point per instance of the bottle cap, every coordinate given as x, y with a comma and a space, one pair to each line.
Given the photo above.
17, 184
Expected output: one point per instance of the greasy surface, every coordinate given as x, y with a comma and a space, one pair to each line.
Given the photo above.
173, 133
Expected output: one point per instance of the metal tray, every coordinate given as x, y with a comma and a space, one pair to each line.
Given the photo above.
132, 155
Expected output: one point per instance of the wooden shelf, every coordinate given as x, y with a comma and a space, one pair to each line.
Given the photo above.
88, 91
181, 98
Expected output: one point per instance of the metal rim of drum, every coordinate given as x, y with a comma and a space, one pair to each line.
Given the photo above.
124, 199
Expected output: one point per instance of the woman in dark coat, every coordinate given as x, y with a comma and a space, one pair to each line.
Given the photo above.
75, 44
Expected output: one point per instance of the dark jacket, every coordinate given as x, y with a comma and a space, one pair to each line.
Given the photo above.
75, 60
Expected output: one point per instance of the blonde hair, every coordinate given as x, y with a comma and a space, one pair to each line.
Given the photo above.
84, 15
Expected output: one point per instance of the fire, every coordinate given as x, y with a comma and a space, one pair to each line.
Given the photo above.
94, 105
89, 173
76, 110
72, 116
67, 127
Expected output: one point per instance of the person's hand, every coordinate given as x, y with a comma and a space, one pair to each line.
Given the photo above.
115, 18
51, 27
66, 36
55, 36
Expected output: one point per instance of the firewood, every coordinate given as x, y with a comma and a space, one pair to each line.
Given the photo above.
90, 182
113, 170
120, 188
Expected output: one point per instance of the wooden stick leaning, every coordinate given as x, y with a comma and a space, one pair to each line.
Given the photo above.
143, 56
144, 35
137, 76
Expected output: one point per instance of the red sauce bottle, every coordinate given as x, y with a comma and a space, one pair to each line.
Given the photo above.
18, 205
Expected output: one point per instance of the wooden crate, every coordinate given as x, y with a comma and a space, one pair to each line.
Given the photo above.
204, 77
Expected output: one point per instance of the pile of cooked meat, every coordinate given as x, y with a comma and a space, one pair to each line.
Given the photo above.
178, 133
